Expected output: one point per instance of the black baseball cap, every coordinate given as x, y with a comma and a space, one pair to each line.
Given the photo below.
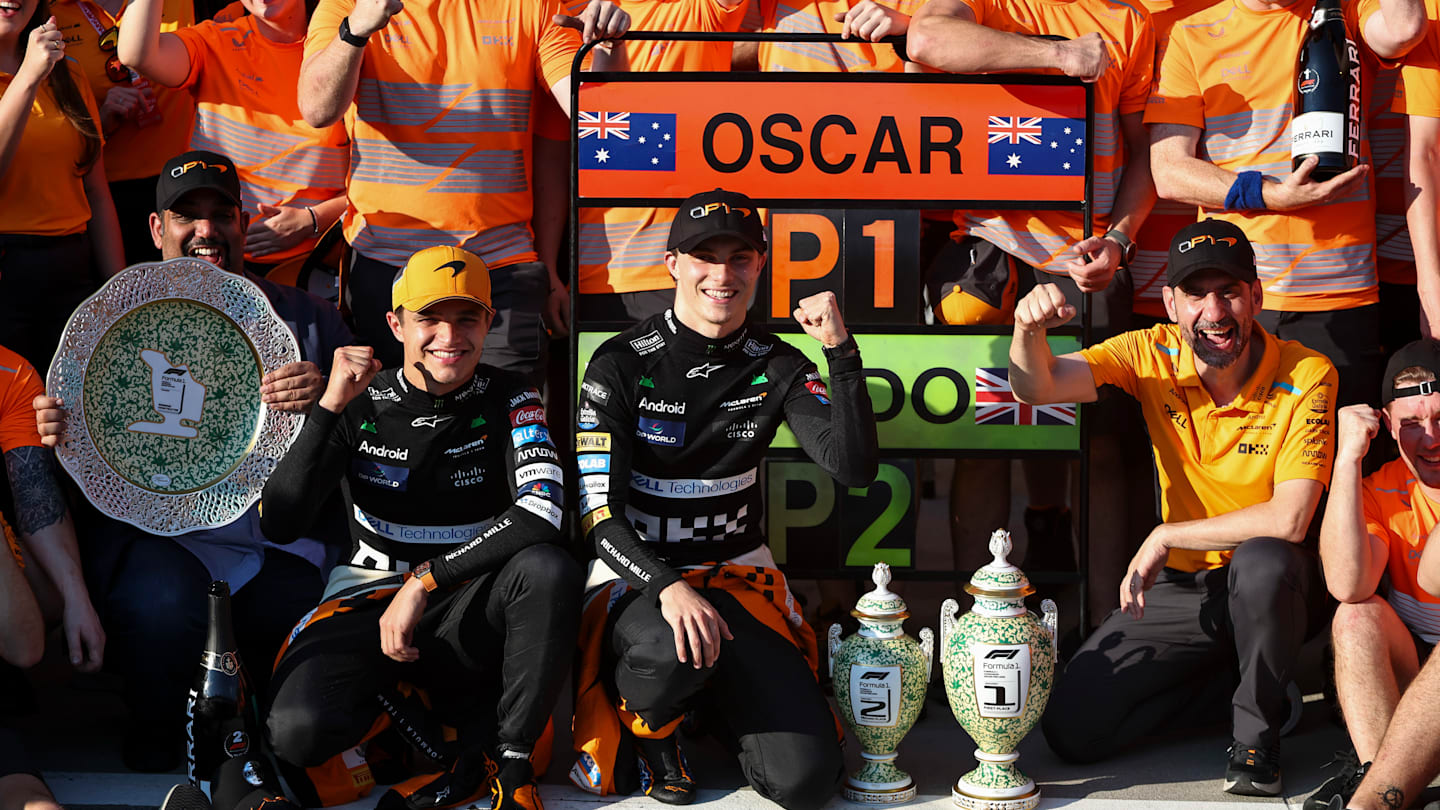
716, 213
1210, 244
196, 170
1423, 353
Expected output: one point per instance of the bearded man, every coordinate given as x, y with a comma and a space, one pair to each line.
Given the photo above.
1242, 426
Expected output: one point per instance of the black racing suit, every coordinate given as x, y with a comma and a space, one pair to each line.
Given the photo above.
672, 429
470, 482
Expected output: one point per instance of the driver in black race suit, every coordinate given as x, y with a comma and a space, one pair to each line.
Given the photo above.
675, 416
453, 583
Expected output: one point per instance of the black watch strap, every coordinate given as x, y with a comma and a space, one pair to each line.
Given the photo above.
349, 37
1127, 247
842, 349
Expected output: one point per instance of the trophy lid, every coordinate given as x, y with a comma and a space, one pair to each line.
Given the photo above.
880, 603
999, 579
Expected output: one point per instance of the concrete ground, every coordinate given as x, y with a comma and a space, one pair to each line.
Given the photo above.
75, 736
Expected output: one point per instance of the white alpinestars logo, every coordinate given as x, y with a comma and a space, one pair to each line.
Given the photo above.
703, 370
429, 421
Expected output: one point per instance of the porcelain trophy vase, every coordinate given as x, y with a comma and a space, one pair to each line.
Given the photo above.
999, 666
880, 676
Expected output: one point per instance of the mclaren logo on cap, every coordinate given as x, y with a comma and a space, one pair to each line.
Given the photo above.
454, 267
702, 211
1186, 247
197, 164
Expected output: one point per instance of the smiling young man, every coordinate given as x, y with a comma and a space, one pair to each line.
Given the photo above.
452, 582
1376, 526
1241, 428
148, 589
675, 416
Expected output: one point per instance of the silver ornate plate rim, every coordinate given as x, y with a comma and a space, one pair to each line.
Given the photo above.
226, 499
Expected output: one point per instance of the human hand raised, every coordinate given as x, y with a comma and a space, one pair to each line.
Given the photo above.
1043, 309
350, 374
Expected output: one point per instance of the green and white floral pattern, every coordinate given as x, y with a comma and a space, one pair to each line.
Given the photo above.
221, 328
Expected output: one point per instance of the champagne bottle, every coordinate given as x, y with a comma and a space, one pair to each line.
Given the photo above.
1327, 95
218, 697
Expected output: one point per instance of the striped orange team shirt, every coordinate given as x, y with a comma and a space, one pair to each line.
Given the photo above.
622, 249
131, 151
1401, 515
1152, 243
246, 109
439, 128
1046, 239
1222, 73
818, 17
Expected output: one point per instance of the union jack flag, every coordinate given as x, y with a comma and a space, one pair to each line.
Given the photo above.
604, 125
995, 403
1014, 129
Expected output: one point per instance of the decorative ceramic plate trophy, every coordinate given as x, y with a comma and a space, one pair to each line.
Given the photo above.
999, 664
160, 373
880, 675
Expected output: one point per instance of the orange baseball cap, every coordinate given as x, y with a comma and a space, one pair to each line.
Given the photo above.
441, 273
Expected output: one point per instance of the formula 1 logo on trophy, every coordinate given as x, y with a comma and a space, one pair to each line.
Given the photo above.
169, 386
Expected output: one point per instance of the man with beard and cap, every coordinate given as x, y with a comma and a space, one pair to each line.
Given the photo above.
150, 590
1241, 424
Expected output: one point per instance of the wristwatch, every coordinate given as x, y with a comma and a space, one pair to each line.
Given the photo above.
1127, 247
422, 573
842, 349
349, 37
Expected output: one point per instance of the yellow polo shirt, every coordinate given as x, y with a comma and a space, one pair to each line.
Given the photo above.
1214, 459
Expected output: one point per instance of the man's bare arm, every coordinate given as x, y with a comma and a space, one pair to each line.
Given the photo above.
47, 533
1353, 558
1396, 28
945, 35
1183, 177
328, 79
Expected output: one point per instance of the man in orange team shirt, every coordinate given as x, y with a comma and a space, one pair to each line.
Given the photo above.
436, 99
1241, 428
1375, 527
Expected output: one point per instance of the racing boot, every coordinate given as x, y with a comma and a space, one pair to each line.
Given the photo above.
466, 780
664, 774
514, 786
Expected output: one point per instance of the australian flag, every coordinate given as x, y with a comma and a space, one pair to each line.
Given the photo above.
1036, 146
995, 403
627, 141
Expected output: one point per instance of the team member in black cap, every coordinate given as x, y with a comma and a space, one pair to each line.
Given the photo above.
1241, 428
149, 589
1376, 526
675, 416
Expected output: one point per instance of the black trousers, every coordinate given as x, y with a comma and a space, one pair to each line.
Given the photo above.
509, 632
1229, 634
151, 594
1349, 337
517, 340
42, 280
764, 691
